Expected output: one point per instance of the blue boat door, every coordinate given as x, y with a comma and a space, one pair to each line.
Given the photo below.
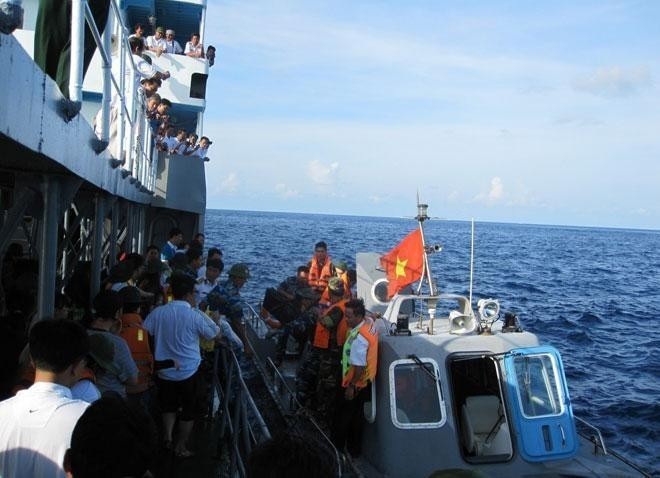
541, 408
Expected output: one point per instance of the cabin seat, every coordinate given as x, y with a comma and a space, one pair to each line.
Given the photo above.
480, 417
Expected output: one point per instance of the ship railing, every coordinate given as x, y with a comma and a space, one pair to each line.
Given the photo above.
279, 387
241, 422
132, 142
596, 438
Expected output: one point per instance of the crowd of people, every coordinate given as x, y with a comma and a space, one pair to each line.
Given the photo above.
144, 83
142, 353
337, 339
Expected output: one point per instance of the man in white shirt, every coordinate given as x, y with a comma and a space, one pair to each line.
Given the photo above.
177, 328
156, 42
205, 284
171, 45
37, 423
194, 48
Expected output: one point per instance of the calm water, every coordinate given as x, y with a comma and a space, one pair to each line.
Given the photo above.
592, 293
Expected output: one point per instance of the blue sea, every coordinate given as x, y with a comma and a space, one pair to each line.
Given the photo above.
593, 293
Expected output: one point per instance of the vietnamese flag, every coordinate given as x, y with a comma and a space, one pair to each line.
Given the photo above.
404, 264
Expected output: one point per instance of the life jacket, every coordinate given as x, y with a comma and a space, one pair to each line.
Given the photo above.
322, 334
325, 297
318, 276
369, 332
138, 343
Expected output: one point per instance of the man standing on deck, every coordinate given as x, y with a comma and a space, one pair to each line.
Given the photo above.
359, 364
177, 328
319, 375
170, 247
225, 298
300, 327
320, 268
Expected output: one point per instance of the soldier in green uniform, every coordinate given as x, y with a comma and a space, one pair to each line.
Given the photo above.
225, 298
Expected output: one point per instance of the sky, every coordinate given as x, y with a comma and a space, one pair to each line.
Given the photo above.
544, 112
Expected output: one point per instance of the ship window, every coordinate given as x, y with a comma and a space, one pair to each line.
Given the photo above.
415, 395
538, 386
198, 85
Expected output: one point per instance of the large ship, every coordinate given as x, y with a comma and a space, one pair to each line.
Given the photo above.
74, 196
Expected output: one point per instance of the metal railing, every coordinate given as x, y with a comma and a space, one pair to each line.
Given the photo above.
241, 421
133, 136
278, 386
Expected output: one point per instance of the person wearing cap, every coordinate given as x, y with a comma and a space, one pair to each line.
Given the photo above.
156, 42
300, 328
177, 328
341, 271
100, 357
319, 376
225, 298
107, 305
171, 45
320, 268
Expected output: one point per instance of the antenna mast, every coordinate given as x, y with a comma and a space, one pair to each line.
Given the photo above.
421, 217
471, 260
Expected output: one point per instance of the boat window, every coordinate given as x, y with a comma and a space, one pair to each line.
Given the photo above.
538, 385
415, 395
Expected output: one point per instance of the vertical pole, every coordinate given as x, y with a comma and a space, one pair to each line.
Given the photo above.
48, 247
202, 26
140, 235
77, 47
97, 245
113, 234
107, 84
121, 129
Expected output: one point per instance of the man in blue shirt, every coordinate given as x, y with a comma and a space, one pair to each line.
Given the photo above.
170, 247
225, 298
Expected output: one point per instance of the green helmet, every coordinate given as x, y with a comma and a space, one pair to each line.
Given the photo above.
240, 271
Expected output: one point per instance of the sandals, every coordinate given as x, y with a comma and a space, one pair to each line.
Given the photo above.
184, 454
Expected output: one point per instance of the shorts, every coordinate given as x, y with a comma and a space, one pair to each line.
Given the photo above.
181, 395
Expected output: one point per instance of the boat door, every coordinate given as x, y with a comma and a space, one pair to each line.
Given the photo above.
541, 408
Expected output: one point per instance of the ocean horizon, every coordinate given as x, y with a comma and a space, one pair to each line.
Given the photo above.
438, 218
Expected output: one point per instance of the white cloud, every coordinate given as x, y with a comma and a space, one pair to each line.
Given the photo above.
322, 174
495, 193
285, 191
615, 81
229, 184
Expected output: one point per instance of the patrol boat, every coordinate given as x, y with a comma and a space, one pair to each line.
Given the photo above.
459, 389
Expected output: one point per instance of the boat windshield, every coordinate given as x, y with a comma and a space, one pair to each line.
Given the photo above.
538, 385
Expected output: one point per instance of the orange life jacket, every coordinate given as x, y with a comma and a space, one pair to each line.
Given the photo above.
368, 331
138, 343
318, 276
322, 334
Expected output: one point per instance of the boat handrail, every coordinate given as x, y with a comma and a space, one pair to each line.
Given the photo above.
255, 321
139, 153
600, 443
237, 405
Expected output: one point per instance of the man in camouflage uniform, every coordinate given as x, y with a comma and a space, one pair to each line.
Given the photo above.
225, 299
319, 376
302, 326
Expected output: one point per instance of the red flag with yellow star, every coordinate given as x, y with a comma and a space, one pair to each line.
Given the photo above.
404, 264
